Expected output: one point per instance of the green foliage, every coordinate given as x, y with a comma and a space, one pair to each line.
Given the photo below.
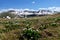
31, 34
53, 24
3, 30
11, 26
57, 19
43, 26
27, 23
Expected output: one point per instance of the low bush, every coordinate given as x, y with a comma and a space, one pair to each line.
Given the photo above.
12, 26
43, 26
57, 19
31, 34
53, 24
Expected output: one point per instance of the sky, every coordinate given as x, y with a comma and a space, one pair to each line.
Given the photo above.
28, 4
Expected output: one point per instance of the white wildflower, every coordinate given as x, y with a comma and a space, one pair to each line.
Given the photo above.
8, 17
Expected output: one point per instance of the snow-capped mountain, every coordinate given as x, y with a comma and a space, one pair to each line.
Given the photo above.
28, 12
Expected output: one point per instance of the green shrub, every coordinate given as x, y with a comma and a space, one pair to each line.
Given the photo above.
57, 19
3, 30
31, 34
43, 26
53, 24
12, 26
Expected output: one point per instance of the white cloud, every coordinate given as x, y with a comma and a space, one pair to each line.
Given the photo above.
54, 8
57, 9
26, 9
51, 8
33, 2
43, 8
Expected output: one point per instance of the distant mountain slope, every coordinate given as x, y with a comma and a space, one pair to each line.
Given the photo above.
26, 13
4, 14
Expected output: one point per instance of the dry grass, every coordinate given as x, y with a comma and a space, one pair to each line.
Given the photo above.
35, 23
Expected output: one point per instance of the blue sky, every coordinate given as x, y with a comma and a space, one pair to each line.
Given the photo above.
30, 4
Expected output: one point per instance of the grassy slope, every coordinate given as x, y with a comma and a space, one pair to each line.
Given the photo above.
51, 32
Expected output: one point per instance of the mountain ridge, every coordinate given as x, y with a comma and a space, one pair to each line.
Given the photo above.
27, 12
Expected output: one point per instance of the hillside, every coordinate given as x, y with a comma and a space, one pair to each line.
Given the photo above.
8, 13
13, 13
47, 26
